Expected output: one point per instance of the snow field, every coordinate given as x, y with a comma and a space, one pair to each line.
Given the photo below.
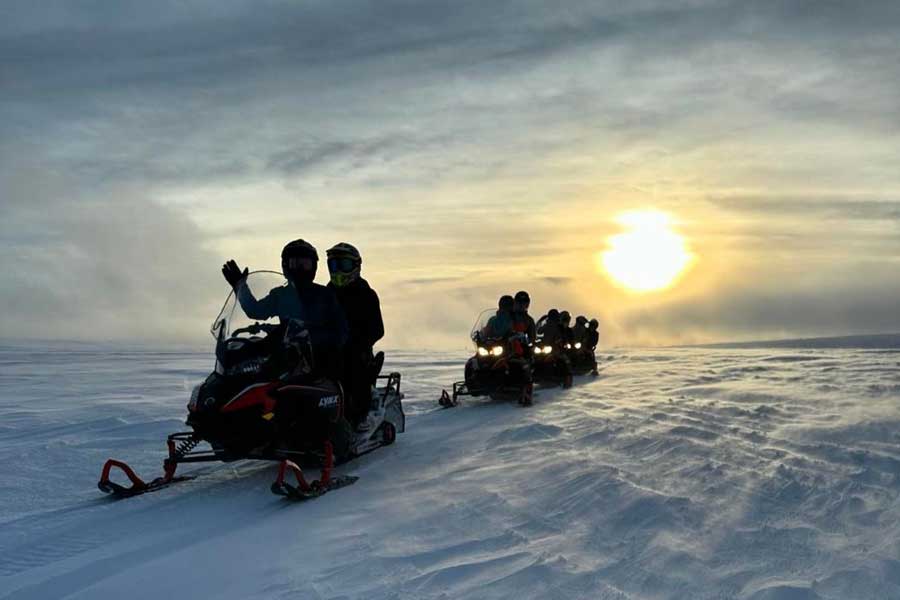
684, 473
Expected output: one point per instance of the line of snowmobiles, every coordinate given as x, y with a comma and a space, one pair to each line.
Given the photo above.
267, 400
509, 367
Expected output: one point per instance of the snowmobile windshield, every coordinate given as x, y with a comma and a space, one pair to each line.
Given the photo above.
486, 327
233, 320
539, 327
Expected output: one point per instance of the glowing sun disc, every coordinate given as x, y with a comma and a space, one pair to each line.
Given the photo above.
649, 256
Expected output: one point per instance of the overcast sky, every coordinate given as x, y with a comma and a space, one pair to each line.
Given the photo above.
468, 148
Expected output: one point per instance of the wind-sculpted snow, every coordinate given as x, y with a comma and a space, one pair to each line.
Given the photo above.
685, 473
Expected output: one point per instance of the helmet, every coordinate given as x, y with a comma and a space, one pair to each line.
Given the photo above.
565, 317
299, 261
553, 315
344, 263
581, 319
594, 324
506, 303
523, 297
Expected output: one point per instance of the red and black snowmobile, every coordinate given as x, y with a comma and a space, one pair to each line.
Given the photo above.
499, 369
267, 400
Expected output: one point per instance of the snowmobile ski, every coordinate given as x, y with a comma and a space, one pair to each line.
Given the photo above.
315, 489
306, 490
446, 401
138, 485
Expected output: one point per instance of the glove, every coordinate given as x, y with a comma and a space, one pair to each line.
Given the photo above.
233, 274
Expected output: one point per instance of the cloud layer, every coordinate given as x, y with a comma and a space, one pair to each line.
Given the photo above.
470, 148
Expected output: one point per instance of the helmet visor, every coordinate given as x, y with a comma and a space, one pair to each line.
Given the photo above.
341, 265
298, 263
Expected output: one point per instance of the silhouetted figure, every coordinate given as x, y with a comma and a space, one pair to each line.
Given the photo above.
363, 312
301, 300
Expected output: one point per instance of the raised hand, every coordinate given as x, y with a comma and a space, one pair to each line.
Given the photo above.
233, 274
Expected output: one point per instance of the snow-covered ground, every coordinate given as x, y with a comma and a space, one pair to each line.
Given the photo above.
678, 473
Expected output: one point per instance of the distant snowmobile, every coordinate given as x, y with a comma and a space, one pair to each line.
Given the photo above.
581, 358
266, 401
496, 369
552, 359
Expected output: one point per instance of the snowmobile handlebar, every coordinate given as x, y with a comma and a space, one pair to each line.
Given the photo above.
255, 329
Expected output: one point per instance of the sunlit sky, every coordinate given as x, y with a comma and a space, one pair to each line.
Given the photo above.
469, 149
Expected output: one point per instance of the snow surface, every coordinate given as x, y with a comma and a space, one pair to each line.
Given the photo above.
678, 473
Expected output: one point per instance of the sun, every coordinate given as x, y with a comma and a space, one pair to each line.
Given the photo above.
649, 256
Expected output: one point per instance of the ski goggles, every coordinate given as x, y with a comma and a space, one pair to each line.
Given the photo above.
341, 265
298, 263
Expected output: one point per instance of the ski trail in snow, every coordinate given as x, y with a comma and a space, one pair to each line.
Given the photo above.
678, 473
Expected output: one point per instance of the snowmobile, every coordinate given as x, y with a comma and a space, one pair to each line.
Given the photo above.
267, 399
495, 370
581, 359
552, 362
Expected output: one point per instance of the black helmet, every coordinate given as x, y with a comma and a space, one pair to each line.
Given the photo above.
581, 319
506, 303
565, 316
594, 324
523, 297
299, 261
344, 263
553, 315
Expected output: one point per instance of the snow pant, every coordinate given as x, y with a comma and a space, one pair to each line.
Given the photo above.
357, 382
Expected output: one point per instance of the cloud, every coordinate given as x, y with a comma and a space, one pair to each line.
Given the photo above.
468, 147
844, 207
110, 265
860, 300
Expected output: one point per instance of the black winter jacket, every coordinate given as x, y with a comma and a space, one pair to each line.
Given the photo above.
363, 311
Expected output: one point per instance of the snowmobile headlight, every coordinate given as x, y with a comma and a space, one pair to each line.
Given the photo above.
482, 351
578, 345
537, 350
548, 349
568, 346
497, 350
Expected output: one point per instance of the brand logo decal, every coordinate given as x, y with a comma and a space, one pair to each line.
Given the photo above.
327, 401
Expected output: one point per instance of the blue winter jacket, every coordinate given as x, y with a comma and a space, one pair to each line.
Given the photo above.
311, 303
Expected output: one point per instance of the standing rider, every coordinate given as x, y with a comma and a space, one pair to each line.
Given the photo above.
302, 300
363, 311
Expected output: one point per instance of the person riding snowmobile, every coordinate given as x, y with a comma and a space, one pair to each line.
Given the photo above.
363, 312
302, 300
501, 324
551, 332
592, 338
522, 321
564, 325
580, 330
